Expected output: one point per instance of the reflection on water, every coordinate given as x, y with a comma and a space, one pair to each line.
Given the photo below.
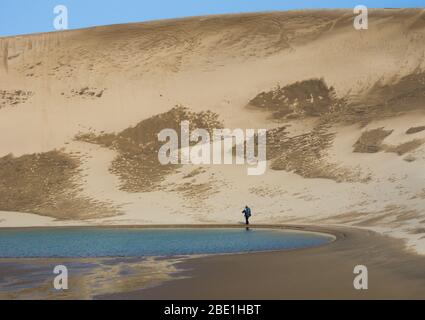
88, 278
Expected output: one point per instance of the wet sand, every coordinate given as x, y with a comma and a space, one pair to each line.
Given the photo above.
324, 272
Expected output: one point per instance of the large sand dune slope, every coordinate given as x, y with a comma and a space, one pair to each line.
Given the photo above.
344, 109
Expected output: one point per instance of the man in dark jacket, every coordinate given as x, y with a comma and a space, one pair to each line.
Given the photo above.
247, 213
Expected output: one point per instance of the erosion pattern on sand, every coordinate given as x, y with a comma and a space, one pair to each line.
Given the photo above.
344, 109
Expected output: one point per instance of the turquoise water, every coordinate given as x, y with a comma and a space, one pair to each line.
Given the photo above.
131, 242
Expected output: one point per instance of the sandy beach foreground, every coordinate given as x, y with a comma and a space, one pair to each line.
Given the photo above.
324, 272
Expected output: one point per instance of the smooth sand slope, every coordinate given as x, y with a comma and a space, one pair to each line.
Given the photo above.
345, 109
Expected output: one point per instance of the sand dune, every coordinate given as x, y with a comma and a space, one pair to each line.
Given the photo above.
344, 110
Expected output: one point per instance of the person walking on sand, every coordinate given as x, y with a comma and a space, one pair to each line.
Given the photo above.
247, 213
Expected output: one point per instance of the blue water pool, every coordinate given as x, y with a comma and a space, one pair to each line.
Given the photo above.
133, 242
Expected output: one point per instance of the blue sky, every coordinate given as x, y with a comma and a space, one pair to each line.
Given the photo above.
29, 16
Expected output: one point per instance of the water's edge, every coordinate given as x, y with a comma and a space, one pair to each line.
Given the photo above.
141, 273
